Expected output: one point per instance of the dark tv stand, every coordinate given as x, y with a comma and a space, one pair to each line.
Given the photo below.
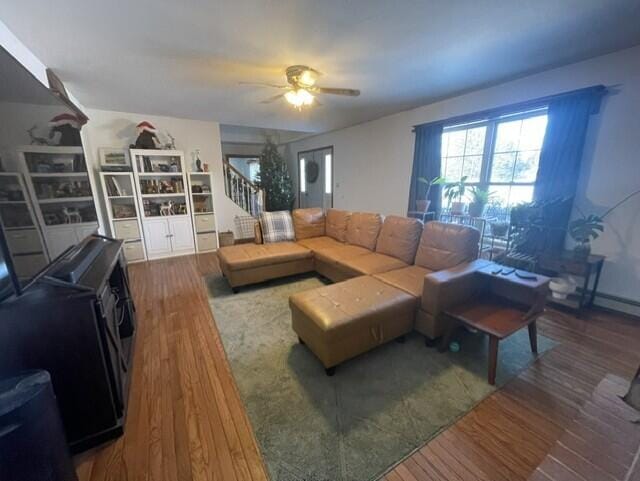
77, 321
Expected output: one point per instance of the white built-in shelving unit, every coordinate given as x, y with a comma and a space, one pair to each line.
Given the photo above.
61, 189
163, 201
204, 223
20, 226
123, 212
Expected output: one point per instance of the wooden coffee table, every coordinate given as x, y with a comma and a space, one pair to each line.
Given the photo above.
504, 305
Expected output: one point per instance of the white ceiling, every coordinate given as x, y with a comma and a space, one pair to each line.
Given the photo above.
184, 58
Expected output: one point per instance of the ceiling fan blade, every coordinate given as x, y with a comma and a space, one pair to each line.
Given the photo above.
265, 84
336, 91
272, 99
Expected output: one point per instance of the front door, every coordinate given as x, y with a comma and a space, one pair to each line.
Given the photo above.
315, 178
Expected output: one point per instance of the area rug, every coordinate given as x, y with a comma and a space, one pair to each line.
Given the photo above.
376, 410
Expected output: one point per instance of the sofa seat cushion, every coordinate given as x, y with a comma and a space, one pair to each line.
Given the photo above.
246, 256
333, 255
318, 243
410, 279
372, 263
308, 223
363, 229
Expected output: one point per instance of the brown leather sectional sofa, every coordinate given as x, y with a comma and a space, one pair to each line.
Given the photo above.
426, 262
412, 269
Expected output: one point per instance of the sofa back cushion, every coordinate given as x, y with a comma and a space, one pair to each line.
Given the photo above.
399, 238
308, 222
443, 245
336, 224
363, 229
276, 226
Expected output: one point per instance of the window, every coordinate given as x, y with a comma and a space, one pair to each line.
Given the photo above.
500, 155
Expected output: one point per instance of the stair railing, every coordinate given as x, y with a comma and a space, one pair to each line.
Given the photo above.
242, 191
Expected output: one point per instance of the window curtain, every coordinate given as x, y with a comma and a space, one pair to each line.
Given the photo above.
426, 164
561, 156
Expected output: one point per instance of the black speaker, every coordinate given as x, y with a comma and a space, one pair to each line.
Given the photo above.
32, 441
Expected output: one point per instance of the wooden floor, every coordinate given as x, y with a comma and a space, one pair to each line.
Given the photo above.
186, 420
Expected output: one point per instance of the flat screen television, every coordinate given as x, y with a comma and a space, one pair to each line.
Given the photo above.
46, 186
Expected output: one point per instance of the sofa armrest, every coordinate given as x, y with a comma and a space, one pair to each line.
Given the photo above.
257, 232
444, 289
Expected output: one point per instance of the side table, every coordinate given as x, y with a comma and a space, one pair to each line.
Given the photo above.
565, 262
505, 302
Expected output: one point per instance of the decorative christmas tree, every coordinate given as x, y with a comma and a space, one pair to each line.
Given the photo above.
274, 179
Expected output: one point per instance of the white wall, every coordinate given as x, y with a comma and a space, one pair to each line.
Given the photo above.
373, 160
117, 129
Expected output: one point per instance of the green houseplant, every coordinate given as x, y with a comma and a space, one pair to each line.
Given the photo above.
588, 227
583, 230
479, 199
454, 192
422, 205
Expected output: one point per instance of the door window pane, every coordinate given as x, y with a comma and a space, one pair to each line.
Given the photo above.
327, 174
303, 175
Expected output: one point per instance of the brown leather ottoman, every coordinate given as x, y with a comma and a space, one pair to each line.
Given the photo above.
340, 321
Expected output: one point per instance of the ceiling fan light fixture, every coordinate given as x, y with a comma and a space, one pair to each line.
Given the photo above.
307, 78
299, 98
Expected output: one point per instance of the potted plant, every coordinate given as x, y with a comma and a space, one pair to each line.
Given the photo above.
586, 228
583, 230
479, 199
422, 205
454, 193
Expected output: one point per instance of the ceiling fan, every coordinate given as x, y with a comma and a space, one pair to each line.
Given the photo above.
302, 87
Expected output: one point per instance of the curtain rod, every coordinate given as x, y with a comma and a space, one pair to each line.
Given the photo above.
527, 104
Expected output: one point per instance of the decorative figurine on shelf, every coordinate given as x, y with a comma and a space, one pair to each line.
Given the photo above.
205, 166
198, 162
171, 144
65, 128
35, 140
147, 137
166, 208
71, 215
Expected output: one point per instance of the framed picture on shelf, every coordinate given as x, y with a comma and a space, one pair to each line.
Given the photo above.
114, 159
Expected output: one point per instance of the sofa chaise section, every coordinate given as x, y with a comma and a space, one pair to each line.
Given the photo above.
244, 264
340, 321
